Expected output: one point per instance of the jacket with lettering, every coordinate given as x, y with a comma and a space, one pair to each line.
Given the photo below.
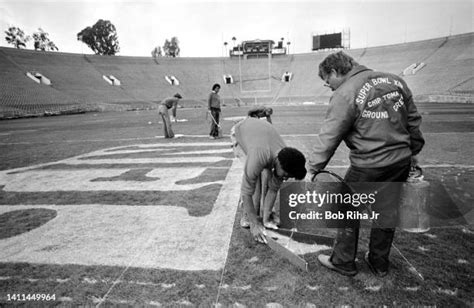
374, 114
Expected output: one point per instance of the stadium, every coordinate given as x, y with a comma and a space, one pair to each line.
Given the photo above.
98, 209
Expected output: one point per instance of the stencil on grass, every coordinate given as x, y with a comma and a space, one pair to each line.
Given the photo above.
294, 246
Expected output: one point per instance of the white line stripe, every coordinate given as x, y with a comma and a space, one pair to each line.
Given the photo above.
191, 136
158, 160
117, 150
423, 166
424, 133
107, 140
229, 150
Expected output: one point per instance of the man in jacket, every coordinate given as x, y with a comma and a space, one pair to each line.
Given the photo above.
374, 114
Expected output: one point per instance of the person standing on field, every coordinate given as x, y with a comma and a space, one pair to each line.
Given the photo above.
374, 114
214, 108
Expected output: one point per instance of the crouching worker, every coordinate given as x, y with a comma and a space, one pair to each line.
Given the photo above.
169, 103
268, 162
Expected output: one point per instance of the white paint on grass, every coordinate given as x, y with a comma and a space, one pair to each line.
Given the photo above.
161, 179
448, 292
412, 289
235, 119
272, 288
159, 236
143, 236
158, 160
217, 151
373, 288
154, 303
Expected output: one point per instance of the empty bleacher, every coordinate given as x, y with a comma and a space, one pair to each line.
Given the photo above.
77, 82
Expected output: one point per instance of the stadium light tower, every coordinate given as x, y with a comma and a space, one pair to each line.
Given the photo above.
240, 63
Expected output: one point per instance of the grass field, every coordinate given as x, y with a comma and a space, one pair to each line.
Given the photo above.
96, 210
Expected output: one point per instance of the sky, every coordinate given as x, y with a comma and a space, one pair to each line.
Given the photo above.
202, 27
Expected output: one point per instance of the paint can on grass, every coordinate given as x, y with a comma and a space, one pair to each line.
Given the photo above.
413, 214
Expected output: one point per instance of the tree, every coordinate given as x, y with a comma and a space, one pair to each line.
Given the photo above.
16, 37
171, 48
156, 52
101, 38
42, 41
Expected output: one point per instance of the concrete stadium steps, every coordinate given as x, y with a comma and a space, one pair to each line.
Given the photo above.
70, 74
78, 79
395, 58
305, 75
21, 96
139, 77
448, 68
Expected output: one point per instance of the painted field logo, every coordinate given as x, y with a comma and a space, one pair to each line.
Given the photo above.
155, 205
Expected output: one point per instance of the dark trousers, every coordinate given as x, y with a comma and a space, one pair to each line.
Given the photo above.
215, 112
381, 238
167, 130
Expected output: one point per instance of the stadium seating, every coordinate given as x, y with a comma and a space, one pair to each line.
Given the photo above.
77, 82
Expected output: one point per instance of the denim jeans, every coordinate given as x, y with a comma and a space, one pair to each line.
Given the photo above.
215, 112
381, 238
167, 130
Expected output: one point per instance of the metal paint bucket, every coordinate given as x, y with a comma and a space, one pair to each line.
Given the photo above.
413, 214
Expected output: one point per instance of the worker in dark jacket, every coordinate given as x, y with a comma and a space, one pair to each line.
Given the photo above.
374, 114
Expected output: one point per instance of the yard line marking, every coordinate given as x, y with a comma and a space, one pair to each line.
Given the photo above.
138, 139
423, 166
163, 160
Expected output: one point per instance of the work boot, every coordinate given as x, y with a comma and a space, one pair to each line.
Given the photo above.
326, 262
377, 272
